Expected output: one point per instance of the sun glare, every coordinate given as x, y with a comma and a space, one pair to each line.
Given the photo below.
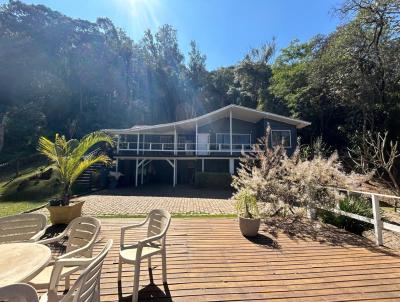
143, 13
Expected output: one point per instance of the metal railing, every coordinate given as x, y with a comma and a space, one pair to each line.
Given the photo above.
379, 225
185, 147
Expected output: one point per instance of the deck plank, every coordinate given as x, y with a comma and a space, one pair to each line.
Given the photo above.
209, 260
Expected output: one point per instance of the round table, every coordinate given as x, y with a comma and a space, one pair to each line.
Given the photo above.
20, 262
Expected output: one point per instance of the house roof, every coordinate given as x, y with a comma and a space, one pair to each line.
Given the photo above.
238, 112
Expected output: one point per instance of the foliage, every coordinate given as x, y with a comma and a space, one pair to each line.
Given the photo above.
213, 180
378, 154
292, 181
65, 75
71, 157
39, 185
246, 204
350, 204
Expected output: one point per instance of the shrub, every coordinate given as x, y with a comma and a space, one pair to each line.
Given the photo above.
32, 187
352, 204
286, 182
246, 204
213, 180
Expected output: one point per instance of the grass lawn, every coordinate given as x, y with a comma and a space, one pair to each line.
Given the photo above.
16, 207
11, 207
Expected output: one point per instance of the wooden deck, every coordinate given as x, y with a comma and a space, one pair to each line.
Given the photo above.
209, 260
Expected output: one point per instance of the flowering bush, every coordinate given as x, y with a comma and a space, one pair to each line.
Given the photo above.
291, 181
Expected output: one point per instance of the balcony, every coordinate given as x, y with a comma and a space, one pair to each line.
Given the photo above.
186, 149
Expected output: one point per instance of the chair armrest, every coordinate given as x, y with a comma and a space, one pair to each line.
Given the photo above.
128, 227
142, 243
58, 266
56, 238
73, 262
73, 253
150, 239
131, 226
50, 240
37, 236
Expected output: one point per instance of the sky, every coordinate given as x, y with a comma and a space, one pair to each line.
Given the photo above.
225, 30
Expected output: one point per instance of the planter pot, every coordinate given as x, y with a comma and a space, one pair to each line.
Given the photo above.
65, 214
249, 226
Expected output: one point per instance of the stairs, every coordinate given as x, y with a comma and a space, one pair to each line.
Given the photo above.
85, 180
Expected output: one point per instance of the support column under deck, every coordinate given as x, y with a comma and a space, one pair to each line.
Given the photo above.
231, 166
136, 172
141, 174
175, 172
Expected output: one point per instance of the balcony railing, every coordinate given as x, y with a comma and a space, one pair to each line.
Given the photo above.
186, 147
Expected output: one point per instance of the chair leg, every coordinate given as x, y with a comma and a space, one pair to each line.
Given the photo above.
67, 282
149, 262
119, 269
164, 265
136, 279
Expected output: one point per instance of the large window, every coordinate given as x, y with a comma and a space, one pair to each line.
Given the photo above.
281, 137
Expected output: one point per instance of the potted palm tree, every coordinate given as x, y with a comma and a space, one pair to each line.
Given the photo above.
70, 158
249, 216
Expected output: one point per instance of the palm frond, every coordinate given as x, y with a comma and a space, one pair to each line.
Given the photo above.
71, 158
89, 141
47, 148
86, 163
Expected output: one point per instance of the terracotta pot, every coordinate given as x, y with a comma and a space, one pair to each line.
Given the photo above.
65, 214
249, 226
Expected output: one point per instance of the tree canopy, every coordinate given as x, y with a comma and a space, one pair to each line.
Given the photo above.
71, 76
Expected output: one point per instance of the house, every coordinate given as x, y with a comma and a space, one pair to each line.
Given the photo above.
176, 152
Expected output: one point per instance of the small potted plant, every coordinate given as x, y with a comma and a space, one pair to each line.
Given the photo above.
71, 158
248, 213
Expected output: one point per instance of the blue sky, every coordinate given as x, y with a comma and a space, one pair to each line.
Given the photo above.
224, 29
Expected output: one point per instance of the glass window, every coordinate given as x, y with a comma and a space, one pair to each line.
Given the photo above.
223, 138
241, 139
281, 137
166, 139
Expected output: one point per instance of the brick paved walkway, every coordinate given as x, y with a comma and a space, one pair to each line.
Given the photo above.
181, 199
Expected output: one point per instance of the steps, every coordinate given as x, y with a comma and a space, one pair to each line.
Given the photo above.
85, 179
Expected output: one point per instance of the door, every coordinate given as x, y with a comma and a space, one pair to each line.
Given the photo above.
203, 143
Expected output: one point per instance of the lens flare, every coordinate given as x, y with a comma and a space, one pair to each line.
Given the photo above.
142, 13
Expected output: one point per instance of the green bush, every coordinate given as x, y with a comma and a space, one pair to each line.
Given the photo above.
42, 184
355, 205
213, 180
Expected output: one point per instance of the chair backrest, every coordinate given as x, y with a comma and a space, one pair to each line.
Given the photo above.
159, 221
83, 231
87, 286
19, 292
21, 227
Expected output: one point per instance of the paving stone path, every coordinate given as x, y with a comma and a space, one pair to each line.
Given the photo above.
178, 200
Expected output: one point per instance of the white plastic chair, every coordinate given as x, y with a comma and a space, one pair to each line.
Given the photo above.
158, 224
82, 233
22, 228
19, 292
87, 287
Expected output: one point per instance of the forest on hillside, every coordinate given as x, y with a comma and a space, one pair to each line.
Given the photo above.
59, 74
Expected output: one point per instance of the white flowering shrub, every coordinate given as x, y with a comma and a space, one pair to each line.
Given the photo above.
285, 182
